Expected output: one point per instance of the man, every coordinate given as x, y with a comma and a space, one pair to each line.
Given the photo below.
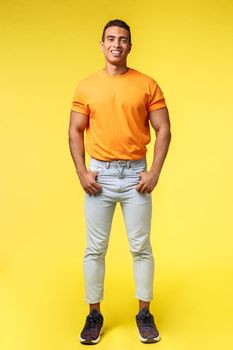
115, 107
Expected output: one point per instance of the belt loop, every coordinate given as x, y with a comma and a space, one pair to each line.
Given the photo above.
107, 164
128, 164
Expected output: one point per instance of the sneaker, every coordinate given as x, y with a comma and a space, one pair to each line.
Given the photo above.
148, 332
93, 328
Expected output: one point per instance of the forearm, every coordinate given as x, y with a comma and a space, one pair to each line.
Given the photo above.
77, 150
163, 138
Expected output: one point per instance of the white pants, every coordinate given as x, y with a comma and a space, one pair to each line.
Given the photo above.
118, 180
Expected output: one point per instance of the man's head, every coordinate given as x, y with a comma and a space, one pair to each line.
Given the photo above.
117, 23
116, 42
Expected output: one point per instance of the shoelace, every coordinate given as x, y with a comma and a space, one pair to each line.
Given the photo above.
91, 322
146, 322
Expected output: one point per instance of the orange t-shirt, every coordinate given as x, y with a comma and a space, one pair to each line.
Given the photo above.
117, 108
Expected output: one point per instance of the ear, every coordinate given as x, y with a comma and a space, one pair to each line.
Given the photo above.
101, 46
130, 47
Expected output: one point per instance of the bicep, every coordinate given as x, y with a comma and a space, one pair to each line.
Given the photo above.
78, 122
159, 118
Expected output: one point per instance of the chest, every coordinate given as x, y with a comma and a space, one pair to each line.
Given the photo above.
118, 96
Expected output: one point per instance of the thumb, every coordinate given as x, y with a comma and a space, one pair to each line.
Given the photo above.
139, 185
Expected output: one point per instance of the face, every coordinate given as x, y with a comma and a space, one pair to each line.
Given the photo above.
116, 45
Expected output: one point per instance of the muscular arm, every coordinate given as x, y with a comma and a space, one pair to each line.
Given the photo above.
160, 122
77, 127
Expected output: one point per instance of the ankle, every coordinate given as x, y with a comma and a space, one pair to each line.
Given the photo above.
95, 306
143, 304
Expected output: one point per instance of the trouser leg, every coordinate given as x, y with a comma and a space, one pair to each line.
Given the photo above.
136, 210
98, 212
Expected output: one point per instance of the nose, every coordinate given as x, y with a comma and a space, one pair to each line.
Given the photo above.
117, 42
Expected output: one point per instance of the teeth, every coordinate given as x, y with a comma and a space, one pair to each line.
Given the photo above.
116, 51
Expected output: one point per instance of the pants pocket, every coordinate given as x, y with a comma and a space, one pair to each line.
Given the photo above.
137, 169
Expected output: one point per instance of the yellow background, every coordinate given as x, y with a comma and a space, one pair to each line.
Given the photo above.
46, 49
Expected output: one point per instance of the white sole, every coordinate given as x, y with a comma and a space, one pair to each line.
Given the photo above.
150, 340
85, 341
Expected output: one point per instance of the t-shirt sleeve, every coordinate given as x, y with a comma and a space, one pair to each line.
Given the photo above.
79, 103
156, 99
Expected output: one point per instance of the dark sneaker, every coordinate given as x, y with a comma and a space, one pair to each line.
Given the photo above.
148, 332
93, 328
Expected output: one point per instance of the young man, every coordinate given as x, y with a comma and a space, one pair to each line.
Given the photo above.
115, 107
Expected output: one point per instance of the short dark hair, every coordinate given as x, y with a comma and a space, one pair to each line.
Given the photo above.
117, 23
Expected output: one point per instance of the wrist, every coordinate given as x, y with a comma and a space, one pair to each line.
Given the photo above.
81, 172
154, 173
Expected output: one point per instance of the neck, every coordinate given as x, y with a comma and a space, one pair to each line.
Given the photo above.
115, 70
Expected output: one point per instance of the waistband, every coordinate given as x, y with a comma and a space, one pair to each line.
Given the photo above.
120, 162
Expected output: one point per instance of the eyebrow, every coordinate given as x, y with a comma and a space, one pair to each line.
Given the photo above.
120, 37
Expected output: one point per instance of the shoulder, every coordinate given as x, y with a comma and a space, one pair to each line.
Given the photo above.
143, 77
146, 82
88, 80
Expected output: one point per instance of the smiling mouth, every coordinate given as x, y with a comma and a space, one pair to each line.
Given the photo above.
116, 52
